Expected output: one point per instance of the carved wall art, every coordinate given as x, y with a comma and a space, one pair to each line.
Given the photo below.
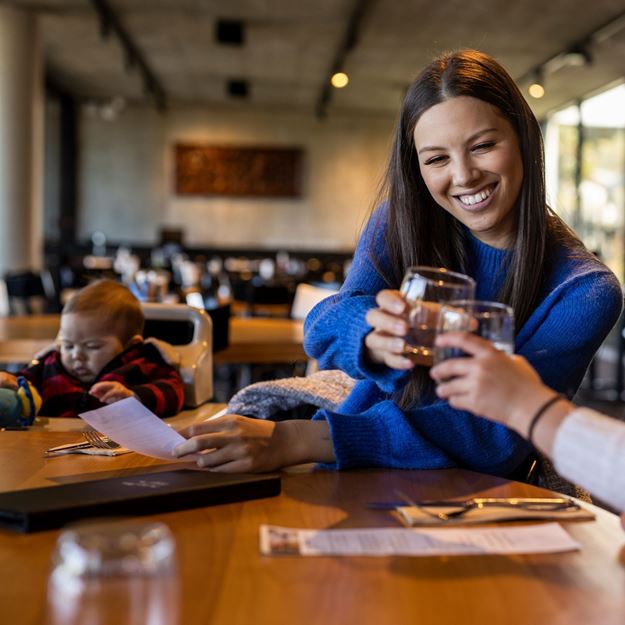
238, 171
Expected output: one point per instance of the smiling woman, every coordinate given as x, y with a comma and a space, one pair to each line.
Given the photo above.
464, 191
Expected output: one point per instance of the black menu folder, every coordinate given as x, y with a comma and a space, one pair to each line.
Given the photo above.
37, 509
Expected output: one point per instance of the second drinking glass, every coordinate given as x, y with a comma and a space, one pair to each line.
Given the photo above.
425, 289
492, 321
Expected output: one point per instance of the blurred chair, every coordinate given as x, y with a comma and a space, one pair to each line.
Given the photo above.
220, 316
4, 300
190, 332
31, 292
306, 298
260, 299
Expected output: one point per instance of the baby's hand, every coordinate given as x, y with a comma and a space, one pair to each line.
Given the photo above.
8, 381
110, 392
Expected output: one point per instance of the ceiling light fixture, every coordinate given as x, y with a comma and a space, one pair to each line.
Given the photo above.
579, 54
536, 88
339, 80
348, 43
133, 57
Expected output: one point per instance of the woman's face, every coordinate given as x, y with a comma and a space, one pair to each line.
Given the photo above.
470, 161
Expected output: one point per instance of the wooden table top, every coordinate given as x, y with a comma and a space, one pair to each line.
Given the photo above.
252, 339
224, 580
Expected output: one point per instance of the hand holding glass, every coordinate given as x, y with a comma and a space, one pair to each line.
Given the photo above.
424, 289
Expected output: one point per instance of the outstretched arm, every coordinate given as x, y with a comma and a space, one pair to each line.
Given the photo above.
234, 443
587, 447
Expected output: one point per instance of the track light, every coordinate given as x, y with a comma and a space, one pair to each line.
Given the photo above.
536, 88
339, 80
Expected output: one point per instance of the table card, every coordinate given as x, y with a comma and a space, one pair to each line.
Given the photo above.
538, 538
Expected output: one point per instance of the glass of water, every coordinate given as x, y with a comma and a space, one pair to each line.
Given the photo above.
121, 571
425, 289
492, 321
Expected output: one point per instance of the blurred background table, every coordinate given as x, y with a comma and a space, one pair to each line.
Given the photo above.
252, 339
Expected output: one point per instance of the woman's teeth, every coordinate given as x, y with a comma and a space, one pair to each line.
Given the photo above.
469, 200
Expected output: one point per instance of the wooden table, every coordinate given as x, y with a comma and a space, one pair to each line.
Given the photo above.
225, 581
252, 339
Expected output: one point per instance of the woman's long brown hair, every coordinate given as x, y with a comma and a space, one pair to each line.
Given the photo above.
420, 232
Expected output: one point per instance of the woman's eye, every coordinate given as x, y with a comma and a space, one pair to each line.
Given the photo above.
483, 146
435, 160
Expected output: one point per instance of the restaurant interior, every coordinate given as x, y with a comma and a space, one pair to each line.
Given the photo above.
226, 156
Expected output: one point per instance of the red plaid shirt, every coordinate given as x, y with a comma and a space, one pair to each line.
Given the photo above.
140, 368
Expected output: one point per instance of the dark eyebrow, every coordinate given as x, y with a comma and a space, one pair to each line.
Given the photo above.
473, 137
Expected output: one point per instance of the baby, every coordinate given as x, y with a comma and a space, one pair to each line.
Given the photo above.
100, 357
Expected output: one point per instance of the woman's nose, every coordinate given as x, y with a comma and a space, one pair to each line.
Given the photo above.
464, 172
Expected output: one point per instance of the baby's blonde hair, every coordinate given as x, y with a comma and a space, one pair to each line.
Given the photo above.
117, 308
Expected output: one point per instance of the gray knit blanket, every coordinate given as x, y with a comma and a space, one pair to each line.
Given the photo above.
324, 389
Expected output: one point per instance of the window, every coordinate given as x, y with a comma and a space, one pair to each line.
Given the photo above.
588, 192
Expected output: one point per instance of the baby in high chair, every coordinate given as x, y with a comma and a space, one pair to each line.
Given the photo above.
99, 358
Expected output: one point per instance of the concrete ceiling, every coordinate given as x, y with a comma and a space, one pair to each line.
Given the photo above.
291, 45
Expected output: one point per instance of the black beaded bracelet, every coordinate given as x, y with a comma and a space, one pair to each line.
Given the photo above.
539, 413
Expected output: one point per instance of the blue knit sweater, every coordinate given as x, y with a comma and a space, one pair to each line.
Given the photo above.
581, 302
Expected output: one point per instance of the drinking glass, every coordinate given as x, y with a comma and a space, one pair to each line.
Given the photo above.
121, 572
492, 321
424, 289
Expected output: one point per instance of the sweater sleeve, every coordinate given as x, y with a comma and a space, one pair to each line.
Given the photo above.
163, 394
589, 450
335, 330
567, 328
428, 437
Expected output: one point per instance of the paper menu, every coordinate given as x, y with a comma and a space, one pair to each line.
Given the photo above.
133, 426
536, 538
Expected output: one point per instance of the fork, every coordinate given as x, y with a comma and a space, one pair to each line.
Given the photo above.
99, 440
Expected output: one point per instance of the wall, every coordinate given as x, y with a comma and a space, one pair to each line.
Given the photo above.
126, 179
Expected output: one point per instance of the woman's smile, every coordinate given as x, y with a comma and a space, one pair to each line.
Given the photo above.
478, 199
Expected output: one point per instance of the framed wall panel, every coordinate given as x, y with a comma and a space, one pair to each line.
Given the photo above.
238, 171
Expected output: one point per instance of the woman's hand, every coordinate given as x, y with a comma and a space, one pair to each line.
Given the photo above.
491, 384
110, 392
234, 443
385, 343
